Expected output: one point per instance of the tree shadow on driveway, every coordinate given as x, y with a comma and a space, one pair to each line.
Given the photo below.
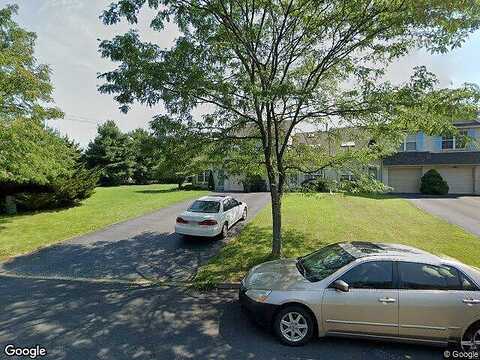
83, 320
250, 341
155, 256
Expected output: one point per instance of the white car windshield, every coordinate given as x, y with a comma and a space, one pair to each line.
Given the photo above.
324, 262
202, 206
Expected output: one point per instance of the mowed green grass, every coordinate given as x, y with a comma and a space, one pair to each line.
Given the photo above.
310, 222
21, 234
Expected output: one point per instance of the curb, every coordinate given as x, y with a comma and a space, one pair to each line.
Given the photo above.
139, 282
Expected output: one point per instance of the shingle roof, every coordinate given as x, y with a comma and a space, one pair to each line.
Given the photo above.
428, 158
467, 123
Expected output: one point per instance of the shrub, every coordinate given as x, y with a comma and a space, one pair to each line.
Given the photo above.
433, 184
319, 185
254, 183
66, 191
363, 184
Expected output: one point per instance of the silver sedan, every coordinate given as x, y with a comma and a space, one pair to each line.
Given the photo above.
369, 290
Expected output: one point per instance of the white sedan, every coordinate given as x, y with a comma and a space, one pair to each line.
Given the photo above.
211, 216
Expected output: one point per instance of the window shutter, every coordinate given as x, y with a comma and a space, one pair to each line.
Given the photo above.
420, 141
473, 144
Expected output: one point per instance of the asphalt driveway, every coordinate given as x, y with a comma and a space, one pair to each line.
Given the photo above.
463, 211
76, 320
141, 248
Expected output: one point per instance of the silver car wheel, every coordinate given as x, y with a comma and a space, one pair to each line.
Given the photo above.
473, 343
293, 326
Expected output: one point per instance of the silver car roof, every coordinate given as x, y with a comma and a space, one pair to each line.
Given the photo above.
370, 250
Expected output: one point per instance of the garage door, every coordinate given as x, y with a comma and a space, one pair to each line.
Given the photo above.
404, 180
459, 179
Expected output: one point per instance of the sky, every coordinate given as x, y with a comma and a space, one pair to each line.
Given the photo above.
68, 33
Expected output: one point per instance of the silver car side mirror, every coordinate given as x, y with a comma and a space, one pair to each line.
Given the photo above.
341, 285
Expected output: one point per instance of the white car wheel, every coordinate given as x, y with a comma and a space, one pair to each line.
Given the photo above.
244, 215
224, 232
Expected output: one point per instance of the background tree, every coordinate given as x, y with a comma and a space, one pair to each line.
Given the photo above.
266, 67
181, 150
111, 152
144, 149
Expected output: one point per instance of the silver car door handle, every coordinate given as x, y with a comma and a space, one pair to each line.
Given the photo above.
387, 300
471, 301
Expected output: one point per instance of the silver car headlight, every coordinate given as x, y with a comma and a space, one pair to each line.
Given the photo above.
258, 295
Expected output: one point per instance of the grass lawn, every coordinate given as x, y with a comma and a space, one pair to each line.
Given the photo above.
24, 233
310, 222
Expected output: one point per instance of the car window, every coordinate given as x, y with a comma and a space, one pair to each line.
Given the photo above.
202, 206
227, 205
466, 283
370, 275
324, 262
418, 276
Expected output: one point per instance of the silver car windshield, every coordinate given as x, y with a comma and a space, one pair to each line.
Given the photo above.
324, 262
202, 206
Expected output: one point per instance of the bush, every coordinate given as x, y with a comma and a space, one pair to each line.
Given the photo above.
363, 184
66, 191
319, 185
254, 183
433, 184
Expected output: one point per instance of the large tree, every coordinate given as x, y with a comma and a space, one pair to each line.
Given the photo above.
266, 67
25, 85
30, 155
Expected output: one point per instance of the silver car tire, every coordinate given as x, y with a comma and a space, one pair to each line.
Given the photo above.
294, 326
471, 339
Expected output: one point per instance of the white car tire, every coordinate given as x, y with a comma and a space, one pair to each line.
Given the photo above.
223, 234
244, 215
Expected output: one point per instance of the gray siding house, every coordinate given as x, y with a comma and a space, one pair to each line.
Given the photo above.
457, 161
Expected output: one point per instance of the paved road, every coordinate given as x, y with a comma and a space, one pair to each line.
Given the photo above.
144, 247
85, 320
463, 211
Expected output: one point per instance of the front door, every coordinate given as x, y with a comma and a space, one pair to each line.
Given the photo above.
370, 306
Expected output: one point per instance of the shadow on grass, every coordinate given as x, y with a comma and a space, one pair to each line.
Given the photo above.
157, 191
3, 221
251, 247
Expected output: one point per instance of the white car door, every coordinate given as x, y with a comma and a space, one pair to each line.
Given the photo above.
229, 212
238, 209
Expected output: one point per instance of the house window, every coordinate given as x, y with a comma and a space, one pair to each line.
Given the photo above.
409, 144
203, 177
347, 177
314, 176
450, 142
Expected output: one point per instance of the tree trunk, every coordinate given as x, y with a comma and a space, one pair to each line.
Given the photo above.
10, 205
277, 220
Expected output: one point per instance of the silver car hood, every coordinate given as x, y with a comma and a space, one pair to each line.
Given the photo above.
275, 275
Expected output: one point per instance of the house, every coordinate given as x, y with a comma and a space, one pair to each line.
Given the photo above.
456, 159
